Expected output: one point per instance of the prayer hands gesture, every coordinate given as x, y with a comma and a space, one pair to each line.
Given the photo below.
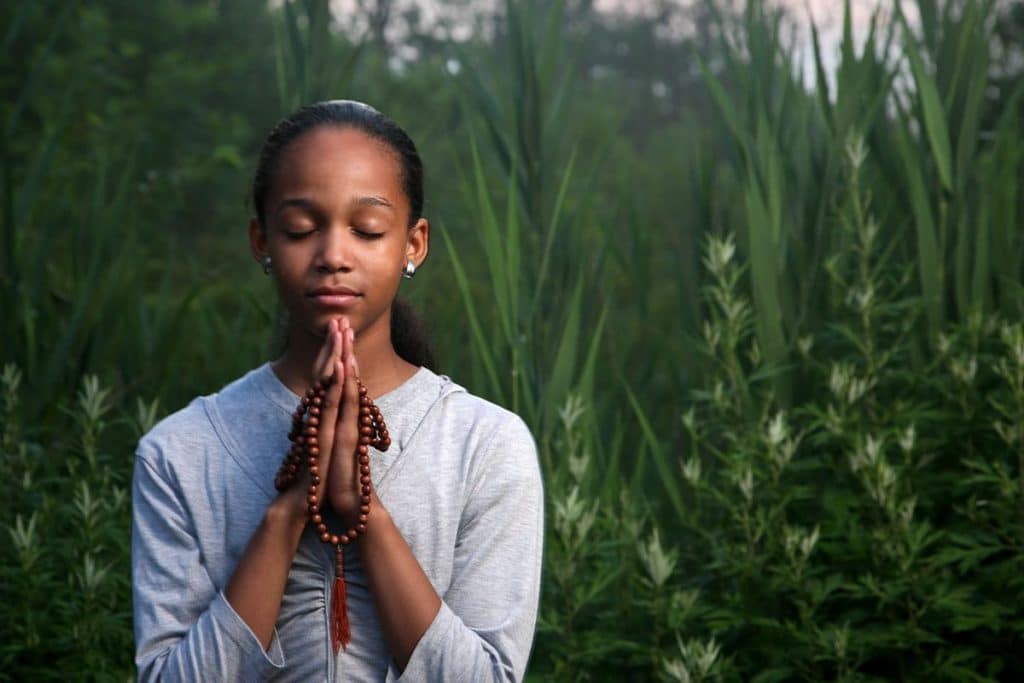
339, 423
341, 477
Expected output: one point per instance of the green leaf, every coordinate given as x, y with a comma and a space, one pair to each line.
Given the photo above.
934, 116
929, 263
657, 447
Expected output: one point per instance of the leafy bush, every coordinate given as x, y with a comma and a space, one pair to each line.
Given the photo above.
64, 585
868, 532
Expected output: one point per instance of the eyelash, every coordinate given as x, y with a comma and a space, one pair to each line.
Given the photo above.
362, 234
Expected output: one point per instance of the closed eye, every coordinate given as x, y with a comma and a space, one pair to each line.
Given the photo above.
367, 234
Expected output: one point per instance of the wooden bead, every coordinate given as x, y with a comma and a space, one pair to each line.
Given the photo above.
305, 451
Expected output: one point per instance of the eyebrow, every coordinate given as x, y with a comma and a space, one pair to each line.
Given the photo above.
374, 201
310, 205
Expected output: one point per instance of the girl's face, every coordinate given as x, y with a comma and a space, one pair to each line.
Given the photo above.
337, 230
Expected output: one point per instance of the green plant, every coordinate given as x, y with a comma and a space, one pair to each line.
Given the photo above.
65, 582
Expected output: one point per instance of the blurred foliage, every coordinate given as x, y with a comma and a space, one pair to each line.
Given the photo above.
765, 331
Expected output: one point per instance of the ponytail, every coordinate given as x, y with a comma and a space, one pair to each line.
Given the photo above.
409, 336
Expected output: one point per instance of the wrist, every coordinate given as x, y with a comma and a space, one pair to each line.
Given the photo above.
378, 518
288, 510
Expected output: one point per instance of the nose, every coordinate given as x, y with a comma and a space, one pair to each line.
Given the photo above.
334, 254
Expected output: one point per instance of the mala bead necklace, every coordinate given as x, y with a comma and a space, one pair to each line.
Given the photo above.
305, 452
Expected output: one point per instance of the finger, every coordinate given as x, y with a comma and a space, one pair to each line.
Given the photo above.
339, 335
345, 415
346, 427
350, 401
328, 418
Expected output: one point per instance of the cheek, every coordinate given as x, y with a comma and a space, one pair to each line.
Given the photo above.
289, 272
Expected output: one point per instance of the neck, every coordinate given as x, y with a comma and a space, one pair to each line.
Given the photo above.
380, 368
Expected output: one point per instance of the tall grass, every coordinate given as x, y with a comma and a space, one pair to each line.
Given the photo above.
536, 341
824, 348
942, 159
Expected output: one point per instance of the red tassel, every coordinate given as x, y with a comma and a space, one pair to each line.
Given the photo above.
341, 634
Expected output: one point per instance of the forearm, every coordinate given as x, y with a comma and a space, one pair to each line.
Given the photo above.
257, 585
406, 601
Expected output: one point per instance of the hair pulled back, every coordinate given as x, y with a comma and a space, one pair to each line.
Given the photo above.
407, 334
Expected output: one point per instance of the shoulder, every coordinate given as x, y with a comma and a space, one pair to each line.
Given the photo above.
493, 422
498, 444
482, 421
188, 433
180, 432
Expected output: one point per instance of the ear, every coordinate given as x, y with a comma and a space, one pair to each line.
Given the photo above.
257, 239
418, 243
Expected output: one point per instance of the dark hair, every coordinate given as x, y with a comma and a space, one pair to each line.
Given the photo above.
407, 334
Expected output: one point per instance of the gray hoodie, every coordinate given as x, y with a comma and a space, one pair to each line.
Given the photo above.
461, 481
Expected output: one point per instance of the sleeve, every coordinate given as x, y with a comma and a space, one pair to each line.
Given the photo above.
484, 629
185, 629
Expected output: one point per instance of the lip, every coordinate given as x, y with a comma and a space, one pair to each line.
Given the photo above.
334, 296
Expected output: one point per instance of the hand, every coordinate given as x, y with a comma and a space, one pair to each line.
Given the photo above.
339, 422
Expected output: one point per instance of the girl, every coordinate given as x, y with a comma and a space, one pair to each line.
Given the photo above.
230, 579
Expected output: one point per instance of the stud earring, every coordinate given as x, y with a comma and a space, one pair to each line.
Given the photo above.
266, 264
409, 270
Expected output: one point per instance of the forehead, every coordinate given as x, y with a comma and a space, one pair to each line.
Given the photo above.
334, 159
